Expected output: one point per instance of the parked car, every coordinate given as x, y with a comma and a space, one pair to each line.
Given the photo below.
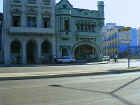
65, 59
106, 58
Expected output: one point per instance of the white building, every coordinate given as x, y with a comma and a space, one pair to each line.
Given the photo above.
29, 31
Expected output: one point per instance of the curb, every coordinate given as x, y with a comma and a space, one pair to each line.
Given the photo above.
66, 75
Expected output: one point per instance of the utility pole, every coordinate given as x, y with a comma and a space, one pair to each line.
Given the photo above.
128, 56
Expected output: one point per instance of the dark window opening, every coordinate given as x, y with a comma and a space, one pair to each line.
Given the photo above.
31, 21
15, 47
16, 21
78, 27
82, 27
46, 22
93, 28
86, 28
66, 25
64, 52
89, 28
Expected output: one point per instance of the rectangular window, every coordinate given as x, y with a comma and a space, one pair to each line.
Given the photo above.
93, 28
82, 28
78, 27
16, 21
31, 21
64, 52
46, 22
66, 25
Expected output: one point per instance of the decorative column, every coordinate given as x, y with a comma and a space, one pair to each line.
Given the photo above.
23, 20
7, 53
39, 14
39, 20
38, 52
24, 55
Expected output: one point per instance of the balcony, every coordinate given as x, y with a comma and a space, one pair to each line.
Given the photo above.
66, 12
16, 3
66, 35
87, 34
46, 2
31, 30
32, 3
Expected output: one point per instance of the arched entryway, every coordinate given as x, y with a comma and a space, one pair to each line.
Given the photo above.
85, 52
46, 51
15, 49
31, 51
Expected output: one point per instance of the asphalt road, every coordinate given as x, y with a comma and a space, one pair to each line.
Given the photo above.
123, 89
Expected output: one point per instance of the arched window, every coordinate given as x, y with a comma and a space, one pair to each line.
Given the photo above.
46, 48
15, 47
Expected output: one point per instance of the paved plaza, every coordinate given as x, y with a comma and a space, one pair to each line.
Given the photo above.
120, 89
61, 70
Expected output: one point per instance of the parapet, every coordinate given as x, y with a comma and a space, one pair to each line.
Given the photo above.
101, 3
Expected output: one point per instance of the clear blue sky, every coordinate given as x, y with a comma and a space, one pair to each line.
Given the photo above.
122, 12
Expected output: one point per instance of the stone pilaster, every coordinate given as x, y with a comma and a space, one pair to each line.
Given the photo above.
24, 55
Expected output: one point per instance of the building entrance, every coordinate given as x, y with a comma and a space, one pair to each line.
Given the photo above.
85, 52
16, 52
31, 52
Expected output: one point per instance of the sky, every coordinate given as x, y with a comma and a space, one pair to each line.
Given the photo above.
121, 12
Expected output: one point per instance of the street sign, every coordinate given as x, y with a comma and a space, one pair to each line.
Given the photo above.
124, 29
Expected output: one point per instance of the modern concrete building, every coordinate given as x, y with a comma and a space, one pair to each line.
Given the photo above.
138, 31
78, 31
110, 32
118, 39
29, 31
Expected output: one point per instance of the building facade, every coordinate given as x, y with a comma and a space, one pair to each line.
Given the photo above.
78, 31
36, 31
29, 31
119, 39
110, 37
1, 23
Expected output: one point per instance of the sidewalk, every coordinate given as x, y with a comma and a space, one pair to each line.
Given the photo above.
42, 71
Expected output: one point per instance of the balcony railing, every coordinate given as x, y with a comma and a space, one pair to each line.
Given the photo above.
16, 2
32, 30
66, 35
87, 34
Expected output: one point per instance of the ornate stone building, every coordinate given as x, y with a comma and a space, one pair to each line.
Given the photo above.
78, 31
29, 31
1, 21
35, 31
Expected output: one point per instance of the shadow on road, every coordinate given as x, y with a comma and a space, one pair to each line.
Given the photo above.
119, 71
112, 93
55, 64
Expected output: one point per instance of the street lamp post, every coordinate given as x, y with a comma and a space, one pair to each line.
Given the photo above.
127, 41
129, 55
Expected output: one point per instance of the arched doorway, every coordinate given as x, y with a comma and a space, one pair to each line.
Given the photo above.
16, 52
31, 52
46, 51
85, 52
